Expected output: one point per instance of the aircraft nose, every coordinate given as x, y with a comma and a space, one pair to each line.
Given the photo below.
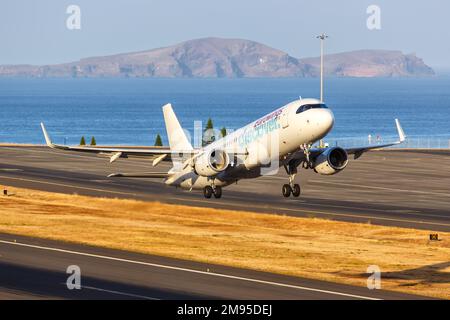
324, 120
328, 120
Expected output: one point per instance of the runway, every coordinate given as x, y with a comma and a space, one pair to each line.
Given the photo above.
378, 188
36, 269
395, 188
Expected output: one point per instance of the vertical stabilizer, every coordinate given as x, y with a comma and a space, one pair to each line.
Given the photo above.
175, 133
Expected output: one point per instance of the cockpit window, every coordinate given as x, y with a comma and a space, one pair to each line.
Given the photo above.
312, 106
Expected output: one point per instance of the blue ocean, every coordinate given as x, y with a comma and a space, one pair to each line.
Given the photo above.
128, 111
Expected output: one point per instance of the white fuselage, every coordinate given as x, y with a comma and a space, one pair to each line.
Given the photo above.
259, 143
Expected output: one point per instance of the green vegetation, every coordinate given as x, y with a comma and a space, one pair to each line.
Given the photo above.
209, 124
93, 142
223, 132
208, 133
82, 141
158, 141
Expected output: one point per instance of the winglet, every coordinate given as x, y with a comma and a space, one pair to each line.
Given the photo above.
401, 133
47, 137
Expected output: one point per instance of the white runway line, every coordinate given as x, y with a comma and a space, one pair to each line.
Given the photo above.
68, 186
381, 188
131, 295
212, 274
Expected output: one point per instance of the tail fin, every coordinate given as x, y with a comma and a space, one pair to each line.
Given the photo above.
175, 133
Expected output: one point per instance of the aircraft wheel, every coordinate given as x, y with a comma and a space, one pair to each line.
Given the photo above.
207, 192
286, 190
296, 190
218, 192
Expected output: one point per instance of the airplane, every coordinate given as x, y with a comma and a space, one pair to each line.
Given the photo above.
284, 137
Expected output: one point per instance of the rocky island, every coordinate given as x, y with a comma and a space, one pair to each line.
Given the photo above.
229, 58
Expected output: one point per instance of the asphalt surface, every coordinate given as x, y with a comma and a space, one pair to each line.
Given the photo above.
37, 269
406, 189
394, 188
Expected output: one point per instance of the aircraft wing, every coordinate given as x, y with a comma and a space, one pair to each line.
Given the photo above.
158, 154
358, 151
355, 151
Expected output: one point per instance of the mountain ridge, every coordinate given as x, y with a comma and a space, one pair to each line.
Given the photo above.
228, 58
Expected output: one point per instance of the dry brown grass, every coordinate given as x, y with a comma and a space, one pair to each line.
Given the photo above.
306, 247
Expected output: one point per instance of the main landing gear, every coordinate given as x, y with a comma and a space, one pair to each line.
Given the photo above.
209, 191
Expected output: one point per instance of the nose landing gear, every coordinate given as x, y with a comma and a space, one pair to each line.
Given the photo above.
218, 192
209, 191
291, 188
296, 190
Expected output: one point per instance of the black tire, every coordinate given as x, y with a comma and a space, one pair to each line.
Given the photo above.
286, 190
296, 190
218, 192
207, 192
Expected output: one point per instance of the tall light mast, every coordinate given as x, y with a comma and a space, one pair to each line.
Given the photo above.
322, 38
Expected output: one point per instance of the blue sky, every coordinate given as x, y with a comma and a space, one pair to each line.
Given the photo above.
35, 31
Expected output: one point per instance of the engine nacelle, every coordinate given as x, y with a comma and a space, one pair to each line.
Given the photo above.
211, 163
331, 161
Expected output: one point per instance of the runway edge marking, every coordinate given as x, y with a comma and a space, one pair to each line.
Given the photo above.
119, 293
379, 188
221, 275
67, 185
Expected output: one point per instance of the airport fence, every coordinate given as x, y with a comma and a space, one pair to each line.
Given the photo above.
413, 142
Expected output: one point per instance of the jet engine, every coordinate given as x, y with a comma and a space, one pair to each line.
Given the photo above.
331, 161
211, 163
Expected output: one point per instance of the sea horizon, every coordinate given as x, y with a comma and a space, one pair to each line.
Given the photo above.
127, 111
